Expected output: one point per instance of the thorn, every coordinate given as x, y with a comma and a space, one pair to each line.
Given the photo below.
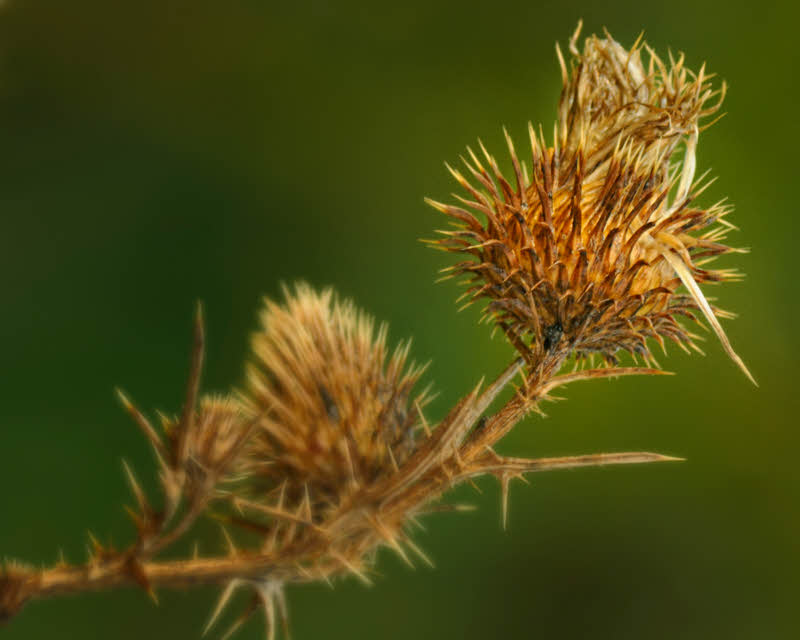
136, 571
505, 480
142, 422
562, 64
425, 426
303, 571
192, 388
232, 550
392, 459
96, 546
243, 617
224, 598
464, 507
137, 520
697, 294
449, 508
352, 568
518, 466
391, 540
136, 489
350, 466
269, 616
419, 552
608, 372
415, 521
305, 506
283, 611
278, 513
474, 485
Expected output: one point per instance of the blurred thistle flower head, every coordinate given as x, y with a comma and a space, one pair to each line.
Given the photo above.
335, 410
584, 250
220, 427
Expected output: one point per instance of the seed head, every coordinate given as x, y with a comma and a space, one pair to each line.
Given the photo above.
585, 253
336, 411
219, 429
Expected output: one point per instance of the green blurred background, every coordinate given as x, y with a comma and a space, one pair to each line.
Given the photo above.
157, 152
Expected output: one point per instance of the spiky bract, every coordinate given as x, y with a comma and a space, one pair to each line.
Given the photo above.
585, 252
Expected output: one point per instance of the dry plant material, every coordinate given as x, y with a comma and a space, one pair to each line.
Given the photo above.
325, 455
585, 252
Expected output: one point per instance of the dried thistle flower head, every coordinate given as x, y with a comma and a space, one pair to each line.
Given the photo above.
337, 411
585, 253
220, 428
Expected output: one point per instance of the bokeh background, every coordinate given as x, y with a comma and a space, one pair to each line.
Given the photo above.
159, 152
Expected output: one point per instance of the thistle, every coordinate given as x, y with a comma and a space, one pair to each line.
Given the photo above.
338, 412
325, 455
585, 252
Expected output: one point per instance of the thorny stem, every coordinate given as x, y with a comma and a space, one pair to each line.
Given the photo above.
454, 452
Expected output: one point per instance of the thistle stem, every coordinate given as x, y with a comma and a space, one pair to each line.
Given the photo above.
466, 452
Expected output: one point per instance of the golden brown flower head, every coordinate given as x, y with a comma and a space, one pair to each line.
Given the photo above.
219, 428
585, 252
336, 410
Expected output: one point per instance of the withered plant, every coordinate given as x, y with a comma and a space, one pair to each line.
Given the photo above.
593, 249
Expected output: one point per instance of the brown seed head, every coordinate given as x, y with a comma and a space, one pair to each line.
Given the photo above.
219, 429
585, 252
336, 410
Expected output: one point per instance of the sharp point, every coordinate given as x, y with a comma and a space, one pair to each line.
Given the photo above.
123, 398
662, 458
504, 484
